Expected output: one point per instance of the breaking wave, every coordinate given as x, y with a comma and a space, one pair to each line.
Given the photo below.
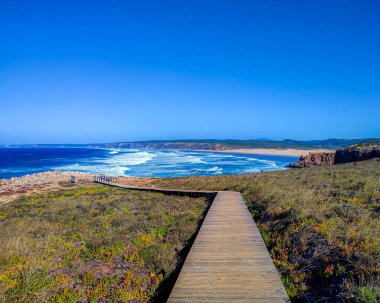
129, 158
96, 169
138, 163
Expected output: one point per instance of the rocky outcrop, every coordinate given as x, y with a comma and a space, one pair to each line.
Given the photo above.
357, 153
353, 153
314, 159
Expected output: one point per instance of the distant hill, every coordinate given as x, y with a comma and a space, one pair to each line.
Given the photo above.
215, 144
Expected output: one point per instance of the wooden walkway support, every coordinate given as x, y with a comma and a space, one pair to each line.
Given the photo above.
228, 261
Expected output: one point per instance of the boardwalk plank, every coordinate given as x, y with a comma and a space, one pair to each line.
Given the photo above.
228, 261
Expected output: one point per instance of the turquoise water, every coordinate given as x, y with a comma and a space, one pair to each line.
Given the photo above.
15, 162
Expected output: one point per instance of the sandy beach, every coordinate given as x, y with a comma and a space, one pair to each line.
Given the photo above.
273, 151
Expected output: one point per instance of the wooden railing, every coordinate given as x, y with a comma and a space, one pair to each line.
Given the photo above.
105, 179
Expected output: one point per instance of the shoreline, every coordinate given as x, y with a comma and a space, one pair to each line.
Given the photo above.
290, 152
54, 180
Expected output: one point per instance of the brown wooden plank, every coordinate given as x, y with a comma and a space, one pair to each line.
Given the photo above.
228, 261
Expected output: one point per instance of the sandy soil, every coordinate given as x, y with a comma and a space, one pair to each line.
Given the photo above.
273, 151
13, 188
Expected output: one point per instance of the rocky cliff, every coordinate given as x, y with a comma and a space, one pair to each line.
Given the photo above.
353, 153
358, 153
314, 159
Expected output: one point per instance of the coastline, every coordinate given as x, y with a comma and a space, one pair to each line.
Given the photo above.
272, 151
54, 180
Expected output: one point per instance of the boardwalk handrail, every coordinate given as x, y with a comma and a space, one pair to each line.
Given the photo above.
177, 192
105, 179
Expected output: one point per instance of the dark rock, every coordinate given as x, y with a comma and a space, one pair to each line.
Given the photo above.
357, 153
353, 153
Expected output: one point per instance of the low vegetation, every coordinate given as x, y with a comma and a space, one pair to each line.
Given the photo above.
321, 226
97, 244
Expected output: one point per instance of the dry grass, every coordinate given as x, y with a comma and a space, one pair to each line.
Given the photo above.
321, 226
97, 244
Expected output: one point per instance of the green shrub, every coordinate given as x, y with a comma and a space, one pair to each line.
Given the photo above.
92, 244
368, 295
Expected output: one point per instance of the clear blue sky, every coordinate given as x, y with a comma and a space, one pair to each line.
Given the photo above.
103, 71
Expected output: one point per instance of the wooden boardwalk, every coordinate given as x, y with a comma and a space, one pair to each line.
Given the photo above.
228, 261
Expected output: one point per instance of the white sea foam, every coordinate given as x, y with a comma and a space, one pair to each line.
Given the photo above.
117, 164
194, 160
268, 162
215, 170
135, 158
114, 151
219, 155
179, 157
116, 170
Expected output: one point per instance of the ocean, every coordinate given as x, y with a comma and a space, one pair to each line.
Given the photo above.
16, 162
